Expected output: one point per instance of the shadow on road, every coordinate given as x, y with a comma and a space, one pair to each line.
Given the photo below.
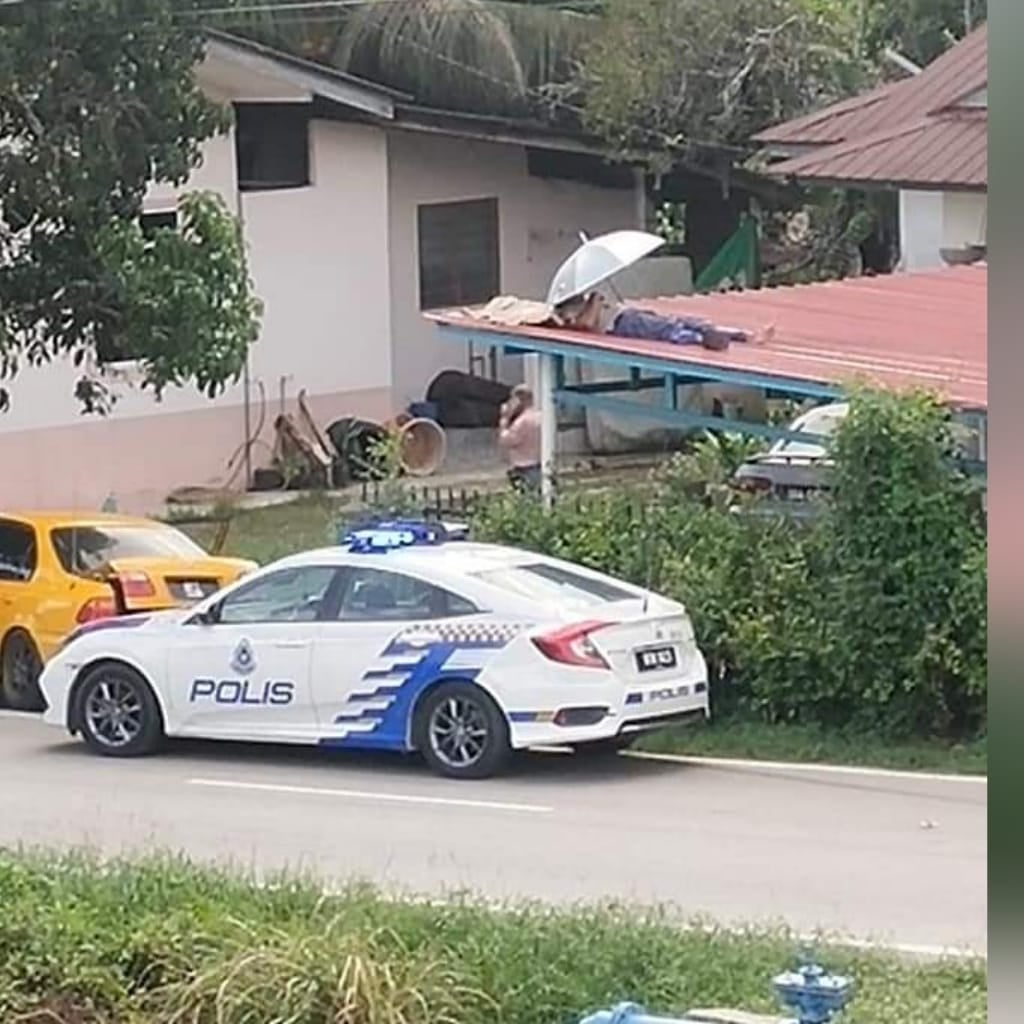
537, 767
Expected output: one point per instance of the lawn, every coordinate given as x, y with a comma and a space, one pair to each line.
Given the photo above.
163, 941
270, 533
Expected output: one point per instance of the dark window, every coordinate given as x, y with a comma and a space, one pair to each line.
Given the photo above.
459, 261
272, 146
375, 595
18, 552
153, 222
85, 550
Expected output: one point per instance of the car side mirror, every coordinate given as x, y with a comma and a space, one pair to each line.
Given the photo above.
209, 616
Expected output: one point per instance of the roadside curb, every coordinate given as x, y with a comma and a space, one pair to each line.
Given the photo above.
808, 767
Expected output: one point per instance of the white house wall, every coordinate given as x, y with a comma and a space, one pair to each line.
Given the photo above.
539, 221
932, 221
318, 257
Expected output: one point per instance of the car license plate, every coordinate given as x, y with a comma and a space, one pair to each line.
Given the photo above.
193, 591
654, 658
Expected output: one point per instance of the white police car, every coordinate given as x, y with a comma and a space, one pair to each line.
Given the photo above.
400, 638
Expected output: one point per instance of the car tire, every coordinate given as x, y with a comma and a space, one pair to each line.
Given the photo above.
484, 749
598, 749
20, 669
116, 712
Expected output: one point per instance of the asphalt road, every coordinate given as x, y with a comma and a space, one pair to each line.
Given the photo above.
894, 860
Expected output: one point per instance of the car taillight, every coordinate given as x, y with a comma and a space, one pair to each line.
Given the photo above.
136, 584
97, 608
572, 645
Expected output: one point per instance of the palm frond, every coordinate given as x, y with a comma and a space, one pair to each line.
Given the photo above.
491, 56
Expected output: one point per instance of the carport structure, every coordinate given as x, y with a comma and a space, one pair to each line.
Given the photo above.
925, 331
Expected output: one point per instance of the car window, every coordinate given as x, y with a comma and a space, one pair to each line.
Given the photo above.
541, 581
288, 595
85, 550
823, 422
18, 552
377, 594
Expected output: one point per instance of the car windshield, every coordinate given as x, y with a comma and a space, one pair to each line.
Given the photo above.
83, 550
823, 421
543, 582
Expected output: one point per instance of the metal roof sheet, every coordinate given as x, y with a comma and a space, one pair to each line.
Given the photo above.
944, 150
958, 73
924, 330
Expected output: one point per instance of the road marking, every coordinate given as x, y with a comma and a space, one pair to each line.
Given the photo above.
809, 767
357, 794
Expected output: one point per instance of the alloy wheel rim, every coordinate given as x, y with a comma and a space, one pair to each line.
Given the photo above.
113, 712
458, 732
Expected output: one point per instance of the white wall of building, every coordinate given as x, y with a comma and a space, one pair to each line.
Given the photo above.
932, 221
336, 265
539, 221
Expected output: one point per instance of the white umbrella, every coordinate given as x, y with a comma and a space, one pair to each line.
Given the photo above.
599, 259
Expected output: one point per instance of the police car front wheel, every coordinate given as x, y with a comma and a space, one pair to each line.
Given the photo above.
462, 733
118, 715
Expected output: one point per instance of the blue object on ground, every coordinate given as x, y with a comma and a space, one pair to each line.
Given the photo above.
813, 994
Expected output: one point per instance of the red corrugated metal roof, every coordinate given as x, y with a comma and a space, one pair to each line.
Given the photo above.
945, 150
958, 73
922, 330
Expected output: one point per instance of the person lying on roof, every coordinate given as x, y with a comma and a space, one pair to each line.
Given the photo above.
595, 314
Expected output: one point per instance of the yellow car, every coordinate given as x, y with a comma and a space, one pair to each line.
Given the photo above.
59, 571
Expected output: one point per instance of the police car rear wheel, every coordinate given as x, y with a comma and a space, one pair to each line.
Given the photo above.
461, 732
119, 716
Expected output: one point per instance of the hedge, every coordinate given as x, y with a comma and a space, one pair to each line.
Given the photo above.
869, 616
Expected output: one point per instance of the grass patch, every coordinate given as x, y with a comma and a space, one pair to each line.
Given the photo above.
270, 533
266, 534
166, 941
816, 745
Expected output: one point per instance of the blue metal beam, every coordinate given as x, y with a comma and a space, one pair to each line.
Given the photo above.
515, 344
678, 418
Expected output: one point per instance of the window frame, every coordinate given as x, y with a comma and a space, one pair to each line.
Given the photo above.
33, 549
434, 296
349, 574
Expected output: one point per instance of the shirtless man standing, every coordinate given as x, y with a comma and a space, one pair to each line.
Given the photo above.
519, 438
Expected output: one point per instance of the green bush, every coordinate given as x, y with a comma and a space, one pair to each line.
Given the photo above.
166, 942
870, 616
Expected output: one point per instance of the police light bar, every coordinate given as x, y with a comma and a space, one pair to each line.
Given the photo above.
387, 535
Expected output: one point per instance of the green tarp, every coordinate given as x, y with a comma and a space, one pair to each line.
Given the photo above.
737, 264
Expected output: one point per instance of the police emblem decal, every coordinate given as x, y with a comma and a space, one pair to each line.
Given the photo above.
243, 661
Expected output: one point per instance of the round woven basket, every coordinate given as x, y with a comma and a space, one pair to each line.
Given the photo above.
423, 446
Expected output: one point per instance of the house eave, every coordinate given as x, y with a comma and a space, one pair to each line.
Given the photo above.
312, 78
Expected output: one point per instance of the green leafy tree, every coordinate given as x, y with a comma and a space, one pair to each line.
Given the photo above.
919, 29
691, 72
98, 99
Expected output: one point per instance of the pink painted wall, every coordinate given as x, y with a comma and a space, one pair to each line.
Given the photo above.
140, 460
